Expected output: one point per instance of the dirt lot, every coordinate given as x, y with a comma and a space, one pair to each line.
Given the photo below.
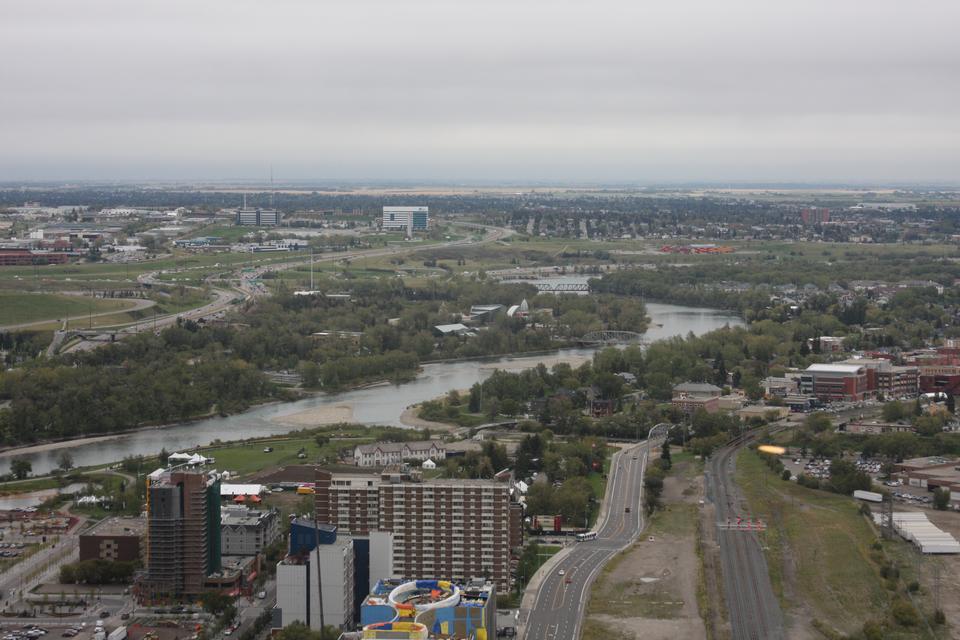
650, 591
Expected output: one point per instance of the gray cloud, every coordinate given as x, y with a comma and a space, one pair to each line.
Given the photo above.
605, 90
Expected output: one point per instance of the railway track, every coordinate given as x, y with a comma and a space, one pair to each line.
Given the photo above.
753, 608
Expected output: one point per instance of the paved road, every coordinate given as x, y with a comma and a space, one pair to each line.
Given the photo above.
753, 608
560, 601
138, 303
248, 289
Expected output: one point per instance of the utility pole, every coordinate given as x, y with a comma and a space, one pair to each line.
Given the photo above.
316, 537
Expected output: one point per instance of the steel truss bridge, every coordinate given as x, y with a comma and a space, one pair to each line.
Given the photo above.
561, 287
612, 337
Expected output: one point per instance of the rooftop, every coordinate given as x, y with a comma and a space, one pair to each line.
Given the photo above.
390, 447
835, 368
118, 526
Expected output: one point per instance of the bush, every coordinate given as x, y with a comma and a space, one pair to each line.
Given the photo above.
785, 475
97, 572
904, 614
913, 587
872, 630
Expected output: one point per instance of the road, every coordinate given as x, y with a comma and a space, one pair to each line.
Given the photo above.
248, 289
752, 606
559, 605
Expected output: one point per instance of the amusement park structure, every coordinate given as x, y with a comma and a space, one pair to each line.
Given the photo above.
422, 609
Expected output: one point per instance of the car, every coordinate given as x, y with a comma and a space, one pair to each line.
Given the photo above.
104, 614
561, 572
262, 595
124, 616
228, 631
626, 510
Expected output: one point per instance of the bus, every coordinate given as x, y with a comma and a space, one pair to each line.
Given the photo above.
589, 535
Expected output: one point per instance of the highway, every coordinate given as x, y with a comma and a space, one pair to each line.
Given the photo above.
248, 288
753, 609
559, 603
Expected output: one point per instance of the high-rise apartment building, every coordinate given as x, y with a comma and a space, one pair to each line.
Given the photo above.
459, 529
182, 543
815, 215
298, 593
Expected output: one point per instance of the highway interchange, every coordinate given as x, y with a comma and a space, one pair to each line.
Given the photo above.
244, 285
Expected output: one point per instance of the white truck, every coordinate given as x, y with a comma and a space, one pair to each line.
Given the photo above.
120, 633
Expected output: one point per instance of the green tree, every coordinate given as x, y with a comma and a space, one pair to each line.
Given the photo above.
818, 422
20, 468
893, 411
941, 499
65, 461
300, 631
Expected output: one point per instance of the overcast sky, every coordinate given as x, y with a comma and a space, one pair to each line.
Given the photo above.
599, 90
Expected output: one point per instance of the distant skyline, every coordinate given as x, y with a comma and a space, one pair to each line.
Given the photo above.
605, 92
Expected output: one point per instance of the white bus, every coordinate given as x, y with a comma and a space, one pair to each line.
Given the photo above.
589, 535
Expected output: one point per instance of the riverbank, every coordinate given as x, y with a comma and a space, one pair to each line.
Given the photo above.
410, 417
317, 416
377, 404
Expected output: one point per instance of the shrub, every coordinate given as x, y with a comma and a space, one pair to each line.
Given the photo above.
904, 614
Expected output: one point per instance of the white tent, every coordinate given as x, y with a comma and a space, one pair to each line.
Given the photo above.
428, 464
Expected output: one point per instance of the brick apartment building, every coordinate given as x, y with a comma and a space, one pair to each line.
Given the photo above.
458, 529
182, 545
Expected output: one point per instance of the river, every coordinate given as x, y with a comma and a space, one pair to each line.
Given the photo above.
374, 405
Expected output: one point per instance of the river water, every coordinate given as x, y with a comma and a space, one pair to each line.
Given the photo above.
374, 405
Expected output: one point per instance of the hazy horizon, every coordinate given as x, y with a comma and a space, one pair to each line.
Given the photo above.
696, 93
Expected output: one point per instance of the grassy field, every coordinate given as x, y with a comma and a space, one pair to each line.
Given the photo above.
819, 551
18, 308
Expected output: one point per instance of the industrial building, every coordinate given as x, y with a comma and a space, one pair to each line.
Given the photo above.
247, 532
434, 608
835, 382
26, 258
380, 454
454, 528
934, 472
257, 217
115, 539
182, 545
408, 219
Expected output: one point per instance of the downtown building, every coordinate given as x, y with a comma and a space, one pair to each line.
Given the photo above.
458, 529
182, 542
